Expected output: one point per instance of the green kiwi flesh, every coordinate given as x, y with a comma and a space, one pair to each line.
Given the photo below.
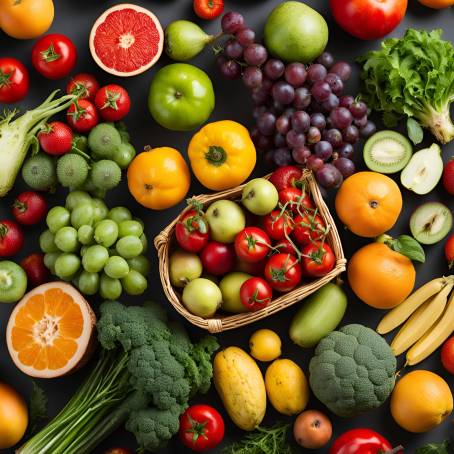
431, 222
387, 152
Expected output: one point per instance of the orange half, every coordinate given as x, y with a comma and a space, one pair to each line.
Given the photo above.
50, 331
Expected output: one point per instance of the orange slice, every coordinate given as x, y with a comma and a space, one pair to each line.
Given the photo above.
50, 332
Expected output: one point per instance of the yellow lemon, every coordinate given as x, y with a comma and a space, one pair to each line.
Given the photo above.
265, 345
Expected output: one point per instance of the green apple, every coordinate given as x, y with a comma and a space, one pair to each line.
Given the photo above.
230, 287
184, 267
202, 297
226, 219
181, 97
260, 196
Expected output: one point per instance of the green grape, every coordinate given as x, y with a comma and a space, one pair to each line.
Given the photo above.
140, 222
57, 218
124, 155
94, 258
100, 210
83, 250
129, 247
82, 215
76, 198
88, 283
119, 214
134, 283
75, 279
126, 228
144, 241
110, 289
67, 265
140, 264
50, 259
116, 267
66, 239
47, 242
85, 234
106, 232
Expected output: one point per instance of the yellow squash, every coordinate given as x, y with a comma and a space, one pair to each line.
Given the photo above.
240, 385
222, 155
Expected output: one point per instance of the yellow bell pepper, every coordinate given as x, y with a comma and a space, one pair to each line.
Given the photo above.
222, 155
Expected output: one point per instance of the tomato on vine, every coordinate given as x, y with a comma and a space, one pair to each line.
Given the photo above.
192, 230
252, 244
255, 294
283, 272
308, 227
295, 199
82, 116
278, 225
113, 102
317, 259
29, 208
83, 85
11, 238
56, 138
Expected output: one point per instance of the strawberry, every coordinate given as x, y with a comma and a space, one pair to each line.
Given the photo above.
448, 176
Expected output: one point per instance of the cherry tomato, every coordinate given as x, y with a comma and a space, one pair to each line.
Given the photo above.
285, 246
113, 102
54, 56
29, 208
11, 238
14, 80
295, 199
201, 428
449, 251
84, 85
361, 441
278, 225
447, 355
56, 138
192, 231
218, 258
318, 259
285, 177
307, 228
208, 9
252, 244
283, 272
82, 116
37, 272
255, 294
368, 19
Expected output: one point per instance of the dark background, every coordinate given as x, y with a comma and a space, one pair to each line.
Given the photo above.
75, 19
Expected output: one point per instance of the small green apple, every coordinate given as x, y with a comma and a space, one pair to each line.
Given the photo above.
202, 297
260, 196
230, 287
184, 267
226, 219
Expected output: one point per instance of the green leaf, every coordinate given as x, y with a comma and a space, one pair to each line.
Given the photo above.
38, 407
414, 131
408, 246
434, 448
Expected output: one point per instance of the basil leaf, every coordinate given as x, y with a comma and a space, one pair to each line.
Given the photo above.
414, 131
408, 246
434, 448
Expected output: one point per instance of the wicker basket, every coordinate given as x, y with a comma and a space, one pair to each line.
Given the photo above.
164, 244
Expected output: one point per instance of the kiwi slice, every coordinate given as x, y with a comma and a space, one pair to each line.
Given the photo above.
431, 222
387, 152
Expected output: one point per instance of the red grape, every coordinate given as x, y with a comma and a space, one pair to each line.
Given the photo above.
342, 69
255, 54
318, 120
295, 139
232, 22
314, 163
283, 124
333, 136
326, 59
350, 134
252, 77
341, 117
302, 98
280, 140
346, 101
368, 130
345, 150
329, 176
274, 69
283, 92
300, 154
295, 74
245, 36
358, 109
331, 103
345, 166
313, 135
323, 150
360, 122
320, 91
301, 121
233, 49
282, 157
335, 83
266, 123
316, 72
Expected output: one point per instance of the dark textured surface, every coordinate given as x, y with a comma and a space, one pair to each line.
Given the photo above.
75, 18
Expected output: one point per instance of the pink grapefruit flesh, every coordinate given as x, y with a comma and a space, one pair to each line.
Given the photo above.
126, 40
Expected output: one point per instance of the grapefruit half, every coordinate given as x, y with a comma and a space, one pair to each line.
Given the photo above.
50, 332
126, 40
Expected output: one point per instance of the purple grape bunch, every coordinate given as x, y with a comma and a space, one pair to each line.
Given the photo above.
302, 115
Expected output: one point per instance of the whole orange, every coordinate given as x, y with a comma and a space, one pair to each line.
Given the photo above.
381, 277
13, 416
421, 401
159, 178
437, 4
369, 203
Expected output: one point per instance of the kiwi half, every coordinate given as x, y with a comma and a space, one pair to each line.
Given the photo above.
431, 222
387, 152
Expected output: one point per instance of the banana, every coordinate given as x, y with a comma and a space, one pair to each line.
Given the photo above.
398, 315
434, 338
421, 321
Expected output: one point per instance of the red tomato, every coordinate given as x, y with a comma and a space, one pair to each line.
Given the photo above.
82, 116
54, 56
11, 238
448, 176
256, 269
295, 199
449, 251
307, 228
447, 355
361, 441
252, 244
285, 177
318, 259
255, 294
192, 230
283, 272
218, 258
84, 85
201, 428
285, 247
208, 9
29, 208
113, 102
368, 19
278, 225
56, 138
14, 80
37, 272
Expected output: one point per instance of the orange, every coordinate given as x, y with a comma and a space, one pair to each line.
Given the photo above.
13, 417
50, 331
421, 401
381, 277
159, 178
437, 4
369, 203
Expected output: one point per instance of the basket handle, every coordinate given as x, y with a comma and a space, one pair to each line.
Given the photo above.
161, 240
214, 325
